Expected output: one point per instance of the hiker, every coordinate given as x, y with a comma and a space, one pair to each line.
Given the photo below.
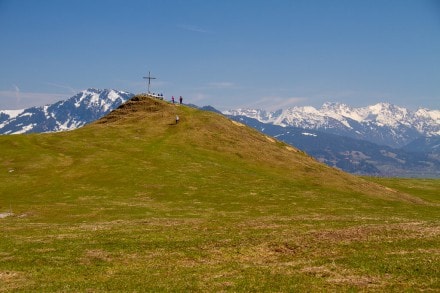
172, 99
180, 99
177, 119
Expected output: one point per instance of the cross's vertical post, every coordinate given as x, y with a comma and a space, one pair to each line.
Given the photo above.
149, 77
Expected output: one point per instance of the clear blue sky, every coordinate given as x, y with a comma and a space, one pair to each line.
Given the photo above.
229, 53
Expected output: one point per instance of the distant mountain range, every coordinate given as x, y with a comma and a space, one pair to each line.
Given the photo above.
85, 107
421, 158
383, 123
382, 140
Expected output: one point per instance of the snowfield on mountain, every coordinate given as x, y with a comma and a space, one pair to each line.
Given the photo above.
383, 123
77, 111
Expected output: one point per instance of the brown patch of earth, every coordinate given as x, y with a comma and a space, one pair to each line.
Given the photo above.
10, 280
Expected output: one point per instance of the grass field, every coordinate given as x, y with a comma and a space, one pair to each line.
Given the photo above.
134, 202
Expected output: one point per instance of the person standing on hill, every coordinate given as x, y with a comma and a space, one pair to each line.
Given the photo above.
180, 99
172, 99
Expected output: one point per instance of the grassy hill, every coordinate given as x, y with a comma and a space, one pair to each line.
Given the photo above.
136, 202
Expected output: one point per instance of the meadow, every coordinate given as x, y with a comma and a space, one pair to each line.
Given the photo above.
135, 202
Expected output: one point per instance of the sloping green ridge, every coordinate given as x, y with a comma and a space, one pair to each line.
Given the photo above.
135, 201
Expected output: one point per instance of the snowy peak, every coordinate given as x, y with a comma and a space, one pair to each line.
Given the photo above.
98, 99
387, 114
429, 114
258, 114
336, 108
85, 107
382, 123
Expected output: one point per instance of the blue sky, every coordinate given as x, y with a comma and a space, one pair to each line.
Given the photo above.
229, 54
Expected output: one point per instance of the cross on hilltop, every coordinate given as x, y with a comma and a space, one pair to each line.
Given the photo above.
149, 77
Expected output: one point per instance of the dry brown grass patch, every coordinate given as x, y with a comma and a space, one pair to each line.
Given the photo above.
137, 107
377, 232
237, 123
338, 275
93, 255
10, 280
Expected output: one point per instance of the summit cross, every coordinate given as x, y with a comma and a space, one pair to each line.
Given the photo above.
149, 77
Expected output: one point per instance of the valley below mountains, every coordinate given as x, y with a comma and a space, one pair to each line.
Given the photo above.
378, 140
421, 158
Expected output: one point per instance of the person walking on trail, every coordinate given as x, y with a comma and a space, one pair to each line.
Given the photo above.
180, 99
177, 119
172, 99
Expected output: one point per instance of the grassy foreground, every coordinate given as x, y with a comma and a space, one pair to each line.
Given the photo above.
137, 203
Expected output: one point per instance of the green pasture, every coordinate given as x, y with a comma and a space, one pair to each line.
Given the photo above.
135, 202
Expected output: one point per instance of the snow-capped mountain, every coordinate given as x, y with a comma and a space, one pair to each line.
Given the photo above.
85, 107
383, 123
421, 158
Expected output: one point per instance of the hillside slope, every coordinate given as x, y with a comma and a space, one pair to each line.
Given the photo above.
136, 202
201, 131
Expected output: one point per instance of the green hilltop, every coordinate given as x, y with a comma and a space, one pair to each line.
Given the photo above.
136, 202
